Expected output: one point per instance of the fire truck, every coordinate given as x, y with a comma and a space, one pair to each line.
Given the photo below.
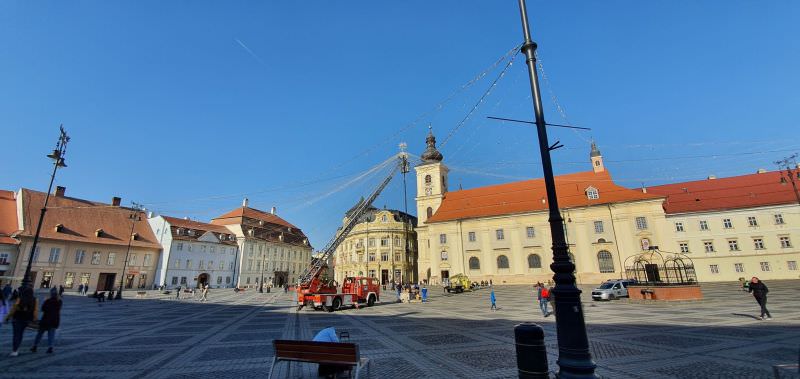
316, 288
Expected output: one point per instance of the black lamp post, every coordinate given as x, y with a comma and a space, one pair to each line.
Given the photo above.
574, 358
263, 267
58, 161
133, 217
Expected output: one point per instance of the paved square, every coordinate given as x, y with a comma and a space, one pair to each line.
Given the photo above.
450, 336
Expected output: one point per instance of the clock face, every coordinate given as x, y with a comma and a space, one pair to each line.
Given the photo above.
428, 190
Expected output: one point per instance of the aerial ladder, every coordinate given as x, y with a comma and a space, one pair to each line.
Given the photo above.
316, 289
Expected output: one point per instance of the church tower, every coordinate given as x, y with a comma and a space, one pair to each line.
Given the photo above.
597, 159
431, 180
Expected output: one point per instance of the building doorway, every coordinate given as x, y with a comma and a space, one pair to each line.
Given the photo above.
384, 276
445, 276
281, 278
202, 280
105, 282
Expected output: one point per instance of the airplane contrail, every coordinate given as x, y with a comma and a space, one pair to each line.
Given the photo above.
249, 51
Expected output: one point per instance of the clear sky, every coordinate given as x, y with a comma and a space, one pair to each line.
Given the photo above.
189, 106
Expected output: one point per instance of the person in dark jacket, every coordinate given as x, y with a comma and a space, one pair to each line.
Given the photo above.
22, 313
51, 316
759, 291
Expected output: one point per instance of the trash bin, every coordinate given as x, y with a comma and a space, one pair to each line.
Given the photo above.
424, 294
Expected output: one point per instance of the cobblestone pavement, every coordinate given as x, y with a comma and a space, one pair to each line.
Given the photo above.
450, 336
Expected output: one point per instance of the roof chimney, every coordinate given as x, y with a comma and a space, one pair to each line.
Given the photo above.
711, 177
115, 201
150, 214
273, 210
244, 202
60, 191
644, 189
761, 171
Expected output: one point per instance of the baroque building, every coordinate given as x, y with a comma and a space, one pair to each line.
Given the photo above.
194, 253
501, 232
734, 227
382, 245
84, 242
269, 247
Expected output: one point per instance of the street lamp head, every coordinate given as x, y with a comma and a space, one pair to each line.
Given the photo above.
61, 163
55, 155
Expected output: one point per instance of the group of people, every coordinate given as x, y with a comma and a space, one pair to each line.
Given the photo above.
203, 292
544, 294
21, 308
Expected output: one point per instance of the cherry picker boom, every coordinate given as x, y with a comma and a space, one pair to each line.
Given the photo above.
315, 289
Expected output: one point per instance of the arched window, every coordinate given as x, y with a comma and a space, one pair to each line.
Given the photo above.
606, 261
429, 212
534, 261
474, 263
592, 193
383, 218
502, 261
601, 240
427, 179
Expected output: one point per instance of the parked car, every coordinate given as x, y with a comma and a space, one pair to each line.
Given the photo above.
612, 289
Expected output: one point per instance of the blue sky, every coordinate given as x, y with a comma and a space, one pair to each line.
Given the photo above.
189, 106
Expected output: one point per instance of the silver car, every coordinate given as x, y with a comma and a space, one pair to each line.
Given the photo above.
612, 289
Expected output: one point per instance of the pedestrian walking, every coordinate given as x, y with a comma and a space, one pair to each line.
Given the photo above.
7, 290
178, 293
51, 317
543, 295
759, 291
205, 294
60, 290
551, 298
4, 303
80, 289
22, 313
493, 298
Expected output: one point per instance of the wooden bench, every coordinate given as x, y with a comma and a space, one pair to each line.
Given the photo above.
334, 353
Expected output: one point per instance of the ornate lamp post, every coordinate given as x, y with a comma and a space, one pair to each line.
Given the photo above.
58, 161
263, 267
574, 358
133, 217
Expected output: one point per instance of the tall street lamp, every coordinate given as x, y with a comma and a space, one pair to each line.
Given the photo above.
58, 161
263, 267
133, 217
574, 358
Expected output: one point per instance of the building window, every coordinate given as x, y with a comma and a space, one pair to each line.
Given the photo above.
751, 220
684, 247
371, 243
530, 232
55, 252
227, 280
427, 179
384, 218
132, 261
384, 256
4, 259
179, 246
714, 269
174, 280
605, 261
679, 227
502, 262
738, 267
397, 257
534, 261
598, 227
183, 280
85, 276
112, 257
219, 280
733, 245
758, 243
384, 242
592, 194
444, 255
371, 257
428, 213
96, 258
189, 264
177, 263
726, 223
791, 265
148, 259
471, 236
474, 263
779, 219
202, 265
785, 242
499, 234
69, 280
442, 239
641, 223
703, 225
764, 266
79, 255
709, 246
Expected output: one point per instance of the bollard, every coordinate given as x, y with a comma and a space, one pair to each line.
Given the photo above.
531, 351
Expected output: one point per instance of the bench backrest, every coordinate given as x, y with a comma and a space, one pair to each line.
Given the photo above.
316, 352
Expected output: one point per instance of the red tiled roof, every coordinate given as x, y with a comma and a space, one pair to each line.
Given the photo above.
736, 192
8, 218
274, 228
82, 218
247, 212
530, 195
202, 227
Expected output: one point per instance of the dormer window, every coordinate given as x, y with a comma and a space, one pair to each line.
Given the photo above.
59, 228
261, 223
178, 231
98, 233
383, 218
592, 194
250, 232
134, 236
280, 237
191, 232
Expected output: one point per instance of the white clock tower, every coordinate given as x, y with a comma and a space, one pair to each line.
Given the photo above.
431, 181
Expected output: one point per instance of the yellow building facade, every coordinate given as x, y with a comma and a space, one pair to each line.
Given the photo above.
376, 247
